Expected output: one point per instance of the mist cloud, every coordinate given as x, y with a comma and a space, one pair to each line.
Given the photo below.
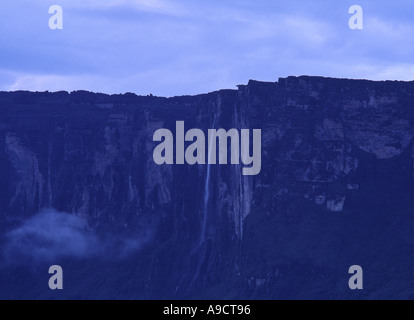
50, 235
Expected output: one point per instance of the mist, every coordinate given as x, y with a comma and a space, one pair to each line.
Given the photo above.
50, 235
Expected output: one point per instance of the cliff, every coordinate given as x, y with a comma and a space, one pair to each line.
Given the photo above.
335, 189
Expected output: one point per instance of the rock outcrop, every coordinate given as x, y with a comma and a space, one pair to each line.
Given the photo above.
335, 189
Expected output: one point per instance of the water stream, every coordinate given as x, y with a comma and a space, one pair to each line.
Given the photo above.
206, 191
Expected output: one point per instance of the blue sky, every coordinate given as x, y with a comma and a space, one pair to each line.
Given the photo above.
177, 47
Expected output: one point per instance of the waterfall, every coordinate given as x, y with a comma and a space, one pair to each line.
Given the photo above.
206, 191
200, 250
49, 187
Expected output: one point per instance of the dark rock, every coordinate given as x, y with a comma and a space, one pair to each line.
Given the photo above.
335, 189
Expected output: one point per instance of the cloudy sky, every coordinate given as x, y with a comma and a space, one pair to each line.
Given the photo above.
176, 47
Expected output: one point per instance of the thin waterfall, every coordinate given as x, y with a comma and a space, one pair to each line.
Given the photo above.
207, 190
202, 252
49, 187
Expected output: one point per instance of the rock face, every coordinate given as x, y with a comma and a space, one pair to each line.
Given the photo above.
335, 190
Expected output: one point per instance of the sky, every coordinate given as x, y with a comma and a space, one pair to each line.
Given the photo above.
180, 47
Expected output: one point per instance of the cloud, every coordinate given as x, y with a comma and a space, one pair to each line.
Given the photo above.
52, 82
171, 47
166, 7
50, 235
403, 72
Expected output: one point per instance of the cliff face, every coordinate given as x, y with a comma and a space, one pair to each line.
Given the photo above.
335, 189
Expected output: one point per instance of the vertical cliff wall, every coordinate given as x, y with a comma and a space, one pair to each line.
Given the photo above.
335, 187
